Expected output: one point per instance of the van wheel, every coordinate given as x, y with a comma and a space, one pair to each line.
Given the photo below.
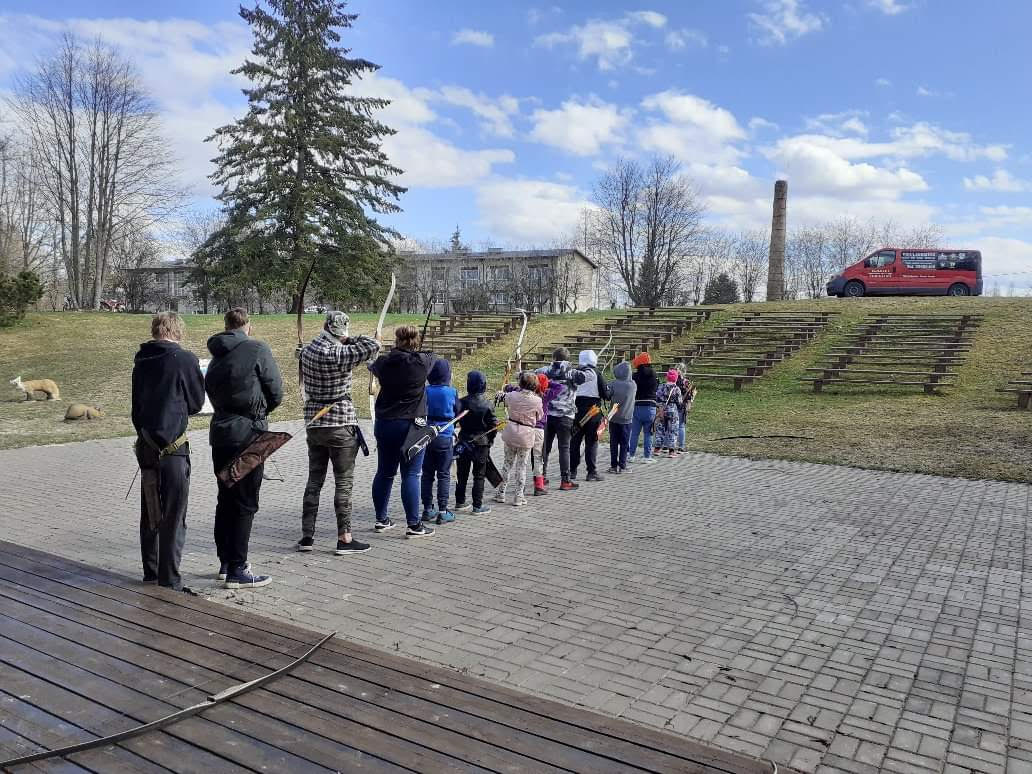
854, 289
959, 289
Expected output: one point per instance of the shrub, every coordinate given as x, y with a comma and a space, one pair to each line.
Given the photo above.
16, 294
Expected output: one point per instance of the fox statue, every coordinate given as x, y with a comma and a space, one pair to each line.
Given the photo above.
82, 411
37, 385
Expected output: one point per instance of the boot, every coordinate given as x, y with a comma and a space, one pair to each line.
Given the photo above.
539, 486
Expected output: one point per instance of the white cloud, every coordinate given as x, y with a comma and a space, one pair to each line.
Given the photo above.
651, 18
1005, 260
818, 169
757, 124
918, 140
581, 128
1002, 180
690, 128
925, 91
883, 82
1004, 215
496, 113
783, 21
427, 159
888, 7
680, 39
609, 42
529, 212
183, 64
473, 38
839, 124
431, 162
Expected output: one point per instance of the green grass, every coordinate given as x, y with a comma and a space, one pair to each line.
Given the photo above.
970, 430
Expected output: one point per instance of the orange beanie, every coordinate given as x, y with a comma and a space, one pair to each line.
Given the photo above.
642, 359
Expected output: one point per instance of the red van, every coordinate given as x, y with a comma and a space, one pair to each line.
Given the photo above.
906, 271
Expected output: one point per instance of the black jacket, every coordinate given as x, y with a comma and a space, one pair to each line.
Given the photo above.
647, 383
244, 385
479, 421
402, 374
167, 389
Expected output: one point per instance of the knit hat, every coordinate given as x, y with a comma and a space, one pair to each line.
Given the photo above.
337, 323
671, 375
542, 383
476, 383
588, 358
643, 359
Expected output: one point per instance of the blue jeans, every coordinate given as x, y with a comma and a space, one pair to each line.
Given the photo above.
619, 437
680, 431
390, 453
644, 419
437, 462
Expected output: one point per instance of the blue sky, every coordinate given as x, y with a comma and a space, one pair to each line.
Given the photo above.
915, 110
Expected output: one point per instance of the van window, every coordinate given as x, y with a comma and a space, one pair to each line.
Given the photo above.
961, 260
883, 258
921, 259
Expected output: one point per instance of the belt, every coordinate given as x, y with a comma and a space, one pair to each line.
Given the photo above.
172, 448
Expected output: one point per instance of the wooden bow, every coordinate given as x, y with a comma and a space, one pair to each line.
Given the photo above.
603, 351
374, 386
517, 352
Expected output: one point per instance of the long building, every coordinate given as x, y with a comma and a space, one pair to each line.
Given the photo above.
560, 280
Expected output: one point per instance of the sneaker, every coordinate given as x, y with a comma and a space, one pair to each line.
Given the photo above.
499, 497
245, 579
420, 530
429, 515
463, 508
631, 460
383, 526
519, 501
568, 486
354, 547
304, 544
594, 477
445, 517
481, 510
648, 460
625, 470
224, 570
613, 471
573, 475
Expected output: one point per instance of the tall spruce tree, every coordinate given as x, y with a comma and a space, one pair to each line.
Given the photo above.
303, 174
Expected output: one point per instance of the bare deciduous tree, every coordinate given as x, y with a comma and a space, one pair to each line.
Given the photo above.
103, 168
649, 219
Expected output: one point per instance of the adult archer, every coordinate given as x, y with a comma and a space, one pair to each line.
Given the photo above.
325, 369
399, 404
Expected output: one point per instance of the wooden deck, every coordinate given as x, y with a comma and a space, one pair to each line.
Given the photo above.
85, 653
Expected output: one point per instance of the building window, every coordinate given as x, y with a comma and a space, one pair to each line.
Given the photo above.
500, 274
470, 276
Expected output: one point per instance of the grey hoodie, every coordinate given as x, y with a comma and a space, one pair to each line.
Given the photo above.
623, 391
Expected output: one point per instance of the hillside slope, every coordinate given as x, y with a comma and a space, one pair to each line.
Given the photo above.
970, 430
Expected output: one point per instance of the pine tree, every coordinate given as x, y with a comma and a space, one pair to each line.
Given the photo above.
456, 241
303, 174
721, 290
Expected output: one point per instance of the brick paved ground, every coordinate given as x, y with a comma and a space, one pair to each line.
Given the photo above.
835, 619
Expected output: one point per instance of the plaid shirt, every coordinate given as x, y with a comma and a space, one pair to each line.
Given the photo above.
326, 365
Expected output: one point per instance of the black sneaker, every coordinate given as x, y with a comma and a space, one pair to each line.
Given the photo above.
224, 570
593, 477
422, 530
245, 579
613, 471
354, 547
305, 544
383, 526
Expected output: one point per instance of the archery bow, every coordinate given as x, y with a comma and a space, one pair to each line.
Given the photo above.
426, 323
373, 386
517, 353
175, 717
300, 327
603, 351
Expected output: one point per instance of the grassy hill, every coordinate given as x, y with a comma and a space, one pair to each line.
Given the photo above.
970, 430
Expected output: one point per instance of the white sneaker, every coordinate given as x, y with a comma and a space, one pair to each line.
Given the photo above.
647, 461
499, 497
519, 501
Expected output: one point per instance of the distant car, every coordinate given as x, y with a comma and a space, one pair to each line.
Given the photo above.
315, 310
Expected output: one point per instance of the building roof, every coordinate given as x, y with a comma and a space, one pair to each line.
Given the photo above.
499, 254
